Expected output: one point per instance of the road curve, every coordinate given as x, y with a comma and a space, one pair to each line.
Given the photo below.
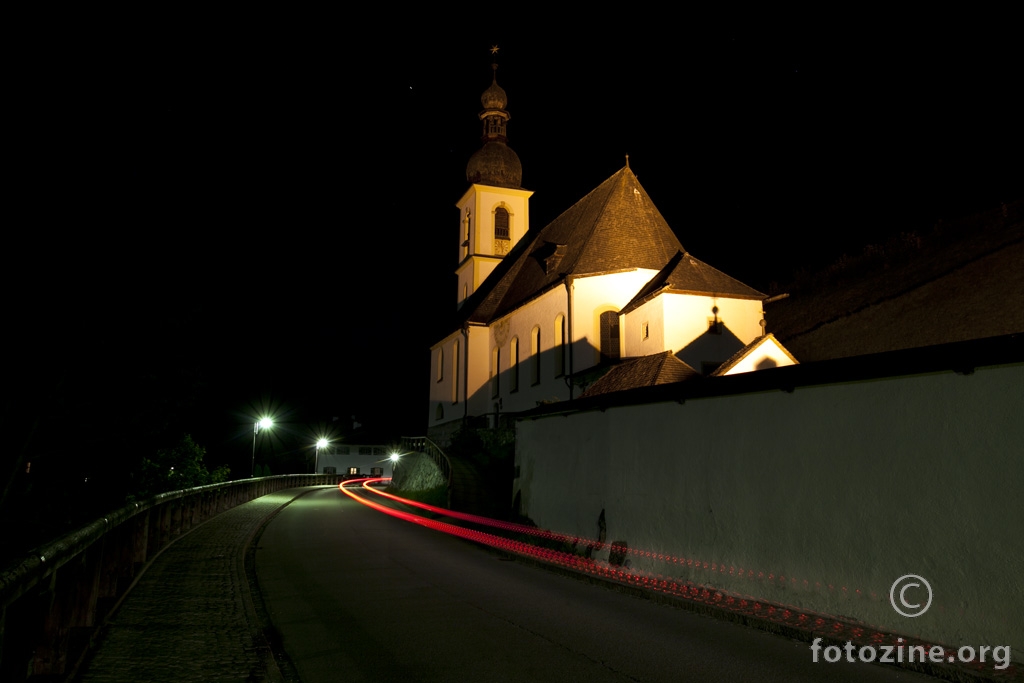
356, 595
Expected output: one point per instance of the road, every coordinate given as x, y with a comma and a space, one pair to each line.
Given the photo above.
356, 595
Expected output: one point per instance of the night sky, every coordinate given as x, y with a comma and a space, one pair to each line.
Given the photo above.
233, 215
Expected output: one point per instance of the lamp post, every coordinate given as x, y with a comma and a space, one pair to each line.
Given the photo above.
316, 459
394, 458
265, 423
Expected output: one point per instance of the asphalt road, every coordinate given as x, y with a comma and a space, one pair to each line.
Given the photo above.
356, 595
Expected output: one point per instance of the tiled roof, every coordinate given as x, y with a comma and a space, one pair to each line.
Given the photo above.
950, 292
684, 274
645, 371
615, 227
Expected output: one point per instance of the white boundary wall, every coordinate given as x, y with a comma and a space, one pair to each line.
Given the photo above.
852, 485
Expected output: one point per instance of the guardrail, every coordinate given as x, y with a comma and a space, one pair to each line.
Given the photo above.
422, 444
54, 600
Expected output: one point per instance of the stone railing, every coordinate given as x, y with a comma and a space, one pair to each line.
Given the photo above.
53, 602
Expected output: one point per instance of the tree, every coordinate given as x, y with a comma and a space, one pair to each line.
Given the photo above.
180, 467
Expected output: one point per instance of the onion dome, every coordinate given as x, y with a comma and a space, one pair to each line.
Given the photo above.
495, 164
494, 97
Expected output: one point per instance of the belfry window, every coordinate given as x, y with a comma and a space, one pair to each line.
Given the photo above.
501, 224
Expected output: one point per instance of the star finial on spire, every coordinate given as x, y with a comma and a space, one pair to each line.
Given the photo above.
494, 49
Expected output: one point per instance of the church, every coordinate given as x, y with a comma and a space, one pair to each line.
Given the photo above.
604, 298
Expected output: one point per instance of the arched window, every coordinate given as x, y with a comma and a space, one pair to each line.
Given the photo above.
495, 364
439, 412
535, 356
455, 372
609, 335
501, 224
559, 345
513, 365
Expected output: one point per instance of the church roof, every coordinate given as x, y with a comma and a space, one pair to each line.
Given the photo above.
684, 274
616, 227
645, 371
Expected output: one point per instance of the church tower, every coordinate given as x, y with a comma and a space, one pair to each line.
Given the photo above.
494, 211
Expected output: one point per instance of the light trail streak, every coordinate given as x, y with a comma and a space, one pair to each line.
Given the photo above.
671, 560
816, 624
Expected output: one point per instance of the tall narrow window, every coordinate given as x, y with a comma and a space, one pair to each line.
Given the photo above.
495, 360
559, 345
535, 356
501, 224
513, 365
440, 364
455, 372
609, 335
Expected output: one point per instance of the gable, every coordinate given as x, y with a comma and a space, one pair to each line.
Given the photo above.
762, 353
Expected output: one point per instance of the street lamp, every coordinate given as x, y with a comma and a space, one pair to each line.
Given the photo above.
316, 460
264, 423
394, 458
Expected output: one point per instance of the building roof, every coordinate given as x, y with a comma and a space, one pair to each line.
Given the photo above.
645, 371
616, 227
684, 274
954, 284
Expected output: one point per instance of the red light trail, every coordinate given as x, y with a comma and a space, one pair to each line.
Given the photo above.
823, 625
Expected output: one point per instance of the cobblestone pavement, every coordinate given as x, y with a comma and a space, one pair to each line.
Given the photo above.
190, 617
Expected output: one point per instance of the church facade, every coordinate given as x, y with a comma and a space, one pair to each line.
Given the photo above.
542, 314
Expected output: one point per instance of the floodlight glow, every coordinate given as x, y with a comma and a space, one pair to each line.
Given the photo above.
265, 423
321, 443
395, 457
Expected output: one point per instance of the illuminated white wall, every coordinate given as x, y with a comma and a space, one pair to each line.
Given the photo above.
593, 295
362, 456
851, 485
676, 320
441, 380
539, 313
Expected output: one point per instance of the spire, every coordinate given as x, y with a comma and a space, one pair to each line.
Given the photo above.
495, 163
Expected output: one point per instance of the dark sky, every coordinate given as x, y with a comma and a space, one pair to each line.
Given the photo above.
265, 203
